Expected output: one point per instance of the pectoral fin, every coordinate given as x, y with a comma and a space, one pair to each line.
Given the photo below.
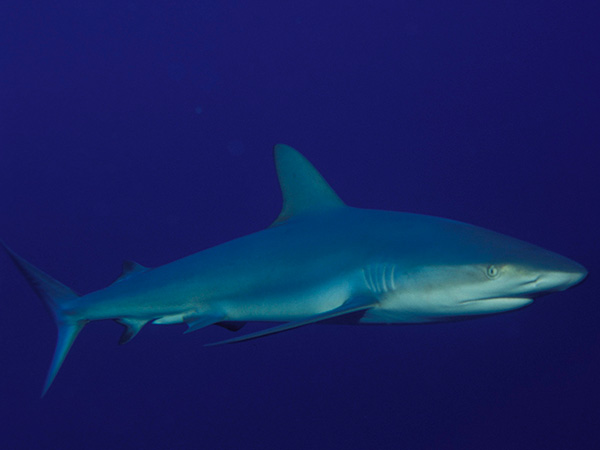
350, 306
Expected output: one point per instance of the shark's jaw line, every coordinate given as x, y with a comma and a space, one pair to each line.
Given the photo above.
319, 261
496, 299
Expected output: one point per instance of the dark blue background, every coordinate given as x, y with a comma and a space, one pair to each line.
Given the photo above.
143, 130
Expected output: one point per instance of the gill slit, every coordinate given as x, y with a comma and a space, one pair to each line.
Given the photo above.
366, 277
379, 278
383, 281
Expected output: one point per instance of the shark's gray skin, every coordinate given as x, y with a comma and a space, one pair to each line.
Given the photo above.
319, 261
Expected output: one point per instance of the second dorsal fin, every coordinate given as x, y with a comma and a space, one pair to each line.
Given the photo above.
130, 268
303, 188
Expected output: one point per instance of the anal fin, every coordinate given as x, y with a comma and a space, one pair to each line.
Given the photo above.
132, 328
350, 306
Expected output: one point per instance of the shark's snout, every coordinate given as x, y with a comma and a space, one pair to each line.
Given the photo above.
561, 275
559, 281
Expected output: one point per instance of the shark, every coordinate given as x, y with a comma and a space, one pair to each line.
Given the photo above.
320, 261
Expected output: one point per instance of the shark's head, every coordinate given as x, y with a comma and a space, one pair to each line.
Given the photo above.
504, 273
487, 288
469, 271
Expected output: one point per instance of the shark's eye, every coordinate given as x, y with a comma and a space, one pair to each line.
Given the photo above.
492, 271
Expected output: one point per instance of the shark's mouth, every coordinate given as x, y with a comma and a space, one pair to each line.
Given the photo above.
494, 304
492, 299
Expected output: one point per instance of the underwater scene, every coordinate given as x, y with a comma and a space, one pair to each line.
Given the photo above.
390, 209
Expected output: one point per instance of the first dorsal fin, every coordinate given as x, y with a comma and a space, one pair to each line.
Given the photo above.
130, 268
303, 188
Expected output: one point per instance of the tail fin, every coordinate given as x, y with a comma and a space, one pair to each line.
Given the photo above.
55, 295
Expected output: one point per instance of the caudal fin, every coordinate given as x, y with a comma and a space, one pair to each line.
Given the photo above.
56, 296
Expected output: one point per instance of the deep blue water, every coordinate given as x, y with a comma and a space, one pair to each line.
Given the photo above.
143, 130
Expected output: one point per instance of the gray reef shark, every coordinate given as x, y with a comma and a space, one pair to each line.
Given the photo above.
320, 261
